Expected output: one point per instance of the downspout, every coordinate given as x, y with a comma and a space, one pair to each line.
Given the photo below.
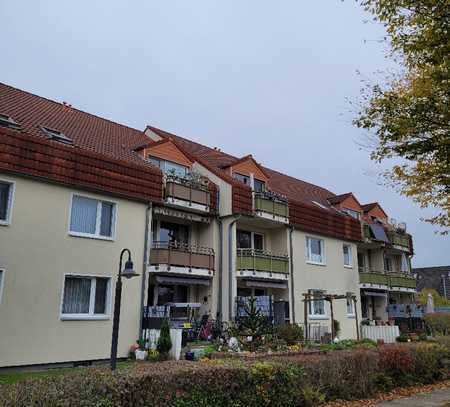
219, 300
291, 263
144, 266
230, 268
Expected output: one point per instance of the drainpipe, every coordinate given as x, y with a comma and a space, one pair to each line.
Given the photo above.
230, 267
144, 265
291, 261
219, 299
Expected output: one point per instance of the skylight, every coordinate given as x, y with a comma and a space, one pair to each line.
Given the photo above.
320, 205
56, 135
9, 122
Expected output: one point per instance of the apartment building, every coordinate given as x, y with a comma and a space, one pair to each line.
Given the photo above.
207, 230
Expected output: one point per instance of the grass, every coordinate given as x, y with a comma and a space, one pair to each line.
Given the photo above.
11, 378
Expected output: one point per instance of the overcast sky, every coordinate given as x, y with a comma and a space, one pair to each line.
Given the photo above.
269, 78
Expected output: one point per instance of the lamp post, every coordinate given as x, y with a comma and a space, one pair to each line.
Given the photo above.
128, 272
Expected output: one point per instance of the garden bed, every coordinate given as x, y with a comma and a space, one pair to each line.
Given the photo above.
278, 380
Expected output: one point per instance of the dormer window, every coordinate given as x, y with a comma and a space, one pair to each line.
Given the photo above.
8, 122
168, 167
352, 213
258, 185
56, 135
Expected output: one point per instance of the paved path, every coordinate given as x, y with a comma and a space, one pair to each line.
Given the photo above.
437, 398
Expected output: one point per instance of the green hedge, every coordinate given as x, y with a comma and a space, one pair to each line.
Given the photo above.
278, 381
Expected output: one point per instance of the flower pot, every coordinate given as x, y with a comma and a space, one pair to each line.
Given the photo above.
140, 354
189, 356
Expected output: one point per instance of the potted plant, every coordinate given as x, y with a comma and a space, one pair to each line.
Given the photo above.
141, 352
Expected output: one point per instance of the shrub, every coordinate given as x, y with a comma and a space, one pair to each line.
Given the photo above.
294, 380
290, 333
438, 323
164, 342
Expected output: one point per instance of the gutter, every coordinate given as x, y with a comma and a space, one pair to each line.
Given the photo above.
144, 265
291, 263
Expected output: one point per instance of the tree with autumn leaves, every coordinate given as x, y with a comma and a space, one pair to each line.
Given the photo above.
408, 115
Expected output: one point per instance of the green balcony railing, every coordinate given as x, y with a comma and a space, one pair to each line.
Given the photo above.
269, 203
400, 280
259, 260
391, 280
399, 239
374, 278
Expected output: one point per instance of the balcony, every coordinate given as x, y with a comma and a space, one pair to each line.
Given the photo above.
387, 281
402, 282
399, 240
262, 264
374, 280
182, 259
190, 192
271, 206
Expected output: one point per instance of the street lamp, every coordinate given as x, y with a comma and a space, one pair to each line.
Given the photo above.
128, 272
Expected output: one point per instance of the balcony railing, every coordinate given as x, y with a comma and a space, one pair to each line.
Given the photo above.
182, 255
271, 204
187, 189
389, 279
377, 278
259, 260
399, 239
400, 280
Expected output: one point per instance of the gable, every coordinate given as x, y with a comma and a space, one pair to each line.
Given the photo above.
249, 166
167, 150
351, 203
378, 212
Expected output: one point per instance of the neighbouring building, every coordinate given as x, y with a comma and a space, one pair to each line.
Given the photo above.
207, 230
436, 278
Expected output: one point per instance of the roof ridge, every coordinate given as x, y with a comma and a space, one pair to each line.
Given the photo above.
71, 107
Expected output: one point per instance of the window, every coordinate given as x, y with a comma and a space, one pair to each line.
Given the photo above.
259, 186
169, 167
56, 135
361, 262
317, 307
249, 240
315, 250
350, 306
6, 200
2, 282
173, 233
86, 297
387, 264
348, 260
9, 122
352, 213
245, 179
92, 218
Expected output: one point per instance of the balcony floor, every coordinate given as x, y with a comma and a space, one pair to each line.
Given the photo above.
179, 270
266, 275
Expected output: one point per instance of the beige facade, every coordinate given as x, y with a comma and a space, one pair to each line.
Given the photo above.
332, 277
37, 251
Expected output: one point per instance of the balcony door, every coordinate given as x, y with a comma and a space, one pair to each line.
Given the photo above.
249, 240
170, 233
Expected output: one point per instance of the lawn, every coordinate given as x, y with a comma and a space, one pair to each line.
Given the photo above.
10, 378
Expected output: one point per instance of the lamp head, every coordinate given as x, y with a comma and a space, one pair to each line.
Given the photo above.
128, 271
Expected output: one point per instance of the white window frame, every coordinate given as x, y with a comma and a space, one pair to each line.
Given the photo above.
308, 251
352, 314
9, 208
97, 234
2, 282
90, 315
312, 304
350, 253
351, 212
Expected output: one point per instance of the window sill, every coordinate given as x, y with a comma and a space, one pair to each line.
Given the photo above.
318, 317
5, 222
315, 263
82, 317
351, 316
88, 236
348, 266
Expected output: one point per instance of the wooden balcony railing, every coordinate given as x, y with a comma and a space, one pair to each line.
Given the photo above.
272, 204
182, 255
188, 190
259, 260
